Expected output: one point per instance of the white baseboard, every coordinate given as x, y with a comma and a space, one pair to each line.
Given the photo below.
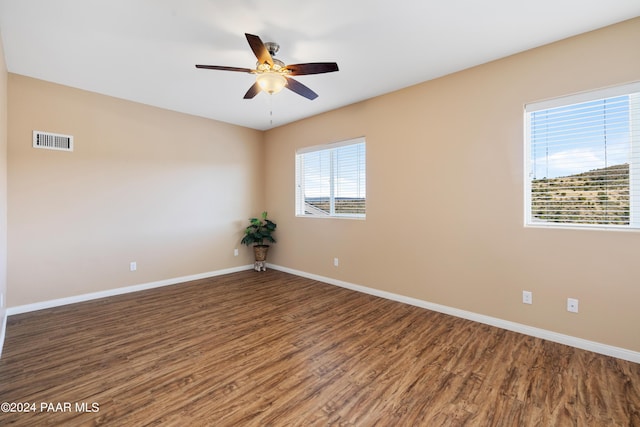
596, 347
118, 291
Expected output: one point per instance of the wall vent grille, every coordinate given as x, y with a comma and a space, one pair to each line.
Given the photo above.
52, 141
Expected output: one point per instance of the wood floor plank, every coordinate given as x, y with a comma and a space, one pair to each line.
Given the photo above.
275, 349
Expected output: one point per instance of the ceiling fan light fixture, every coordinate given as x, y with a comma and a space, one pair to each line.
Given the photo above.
271, 82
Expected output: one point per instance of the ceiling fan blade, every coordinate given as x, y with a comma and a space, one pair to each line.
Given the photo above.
253, 91
219, 67
300, 89
312, 68
259, 49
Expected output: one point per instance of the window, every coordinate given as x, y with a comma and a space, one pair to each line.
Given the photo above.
331, 180
583, 160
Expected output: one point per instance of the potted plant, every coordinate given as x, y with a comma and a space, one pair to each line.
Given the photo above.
257, 233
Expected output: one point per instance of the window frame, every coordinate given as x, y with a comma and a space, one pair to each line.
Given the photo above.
299, 184
634, 157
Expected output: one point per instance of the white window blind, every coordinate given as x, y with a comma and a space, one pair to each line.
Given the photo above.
331, 180
583, 160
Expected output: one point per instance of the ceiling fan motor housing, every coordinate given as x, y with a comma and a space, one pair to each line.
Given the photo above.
272, 47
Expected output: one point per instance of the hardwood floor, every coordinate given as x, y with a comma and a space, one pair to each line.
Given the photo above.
280, 350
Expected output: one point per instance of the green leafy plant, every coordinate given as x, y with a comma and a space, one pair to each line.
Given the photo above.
259, 231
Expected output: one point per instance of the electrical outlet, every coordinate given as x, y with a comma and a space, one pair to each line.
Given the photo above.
572, 305
235, 252
527, 297
336, 262
133, 266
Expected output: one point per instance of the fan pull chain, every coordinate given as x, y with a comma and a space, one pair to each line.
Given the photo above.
270, 109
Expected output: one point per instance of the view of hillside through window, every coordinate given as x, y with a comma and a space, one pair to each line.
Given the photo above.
582, 159
332, 181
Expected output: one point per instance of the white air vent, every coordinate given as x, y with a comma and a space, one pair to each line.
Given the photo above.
52, 141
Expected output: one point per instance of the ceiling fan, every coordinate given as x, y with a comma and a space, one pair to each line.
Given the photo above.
272, 74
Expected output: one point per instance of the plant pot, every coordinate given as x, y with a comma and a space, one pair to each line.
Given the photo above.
260, 252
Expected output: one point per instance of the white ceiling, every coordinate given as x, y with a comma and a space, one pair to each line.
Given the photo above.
145, 50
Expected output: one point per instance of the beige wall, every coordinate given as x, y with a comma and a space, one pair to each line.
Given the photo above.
445, 203
3, 186
170, 191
